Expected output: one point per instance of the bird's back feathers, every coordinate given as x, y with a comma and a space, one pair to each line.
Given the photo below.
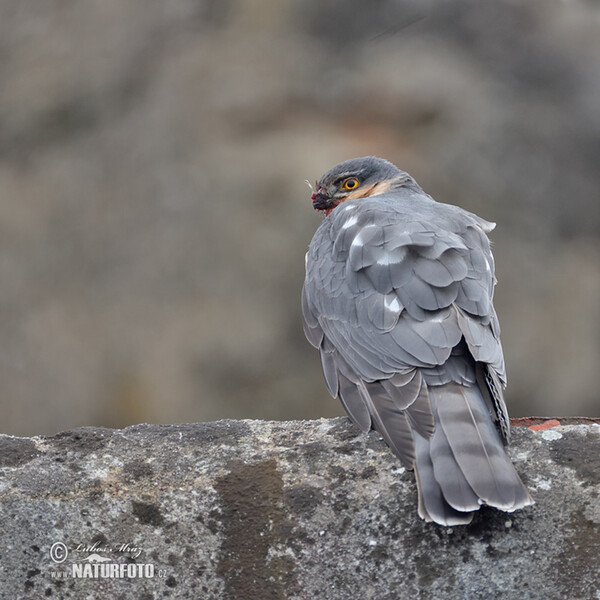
398, 299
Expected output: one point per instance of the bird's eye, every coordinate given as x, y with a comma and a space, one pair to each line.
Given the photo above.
350, 183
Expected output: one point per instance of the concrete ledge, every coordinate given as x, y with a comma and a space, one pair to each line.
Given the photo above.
298, 510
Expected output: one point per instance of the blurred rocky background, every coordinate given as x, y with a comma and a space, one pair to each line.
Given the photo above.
154, 215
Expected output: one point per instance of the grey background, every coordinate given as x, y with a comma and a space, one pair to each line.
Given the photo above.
154, 215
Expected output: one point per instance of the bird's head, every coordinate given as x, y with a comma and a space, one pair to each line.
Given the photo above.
355, 178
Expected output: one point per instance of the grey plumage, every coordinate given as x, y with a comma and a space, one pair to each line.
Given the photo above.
398, 299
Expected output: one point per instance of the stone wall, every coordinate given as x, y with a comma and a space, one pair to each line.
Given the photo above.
298, 510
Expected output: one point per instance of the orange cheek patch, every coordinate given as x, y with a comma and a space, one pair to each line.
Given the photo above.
374, 190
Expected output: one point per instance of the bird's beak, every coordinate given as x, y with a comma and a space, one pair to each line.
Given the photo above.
321, 201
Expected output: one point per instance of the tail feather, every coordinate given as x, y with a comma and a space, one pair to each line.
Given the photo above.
456, 489
476, 445
464, 464
433, 505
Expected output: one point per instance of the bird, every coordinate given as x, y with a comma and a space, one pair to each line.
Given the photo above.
397, 297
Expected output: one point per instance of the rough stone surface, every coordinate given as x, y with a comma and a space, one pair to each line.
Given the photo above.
285, 510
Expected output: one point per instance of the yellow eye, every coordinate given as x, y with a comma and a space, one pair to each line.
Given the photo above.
350, 183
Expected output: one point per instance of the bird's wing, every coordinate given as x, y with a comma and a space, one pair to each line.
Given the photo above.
390, 290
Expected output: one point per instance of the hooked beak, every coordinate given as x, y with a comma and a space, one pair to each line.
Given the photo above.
321, 201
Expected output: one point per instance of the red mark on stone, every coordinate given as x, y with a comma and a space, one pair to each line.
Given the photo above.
545, 425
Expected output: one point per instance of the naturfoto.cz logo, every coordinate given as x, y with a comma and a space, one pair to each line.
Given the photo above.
96, 566
111, 570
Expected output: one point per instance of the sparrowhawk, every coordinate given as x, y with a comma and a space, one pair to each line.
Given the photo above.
398, 300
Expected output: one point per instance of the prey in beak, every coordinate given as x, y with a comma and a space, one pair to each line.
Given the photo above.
322, 201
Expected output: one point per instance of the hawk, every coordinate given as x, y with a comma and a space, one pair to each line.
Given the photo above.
398, 300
